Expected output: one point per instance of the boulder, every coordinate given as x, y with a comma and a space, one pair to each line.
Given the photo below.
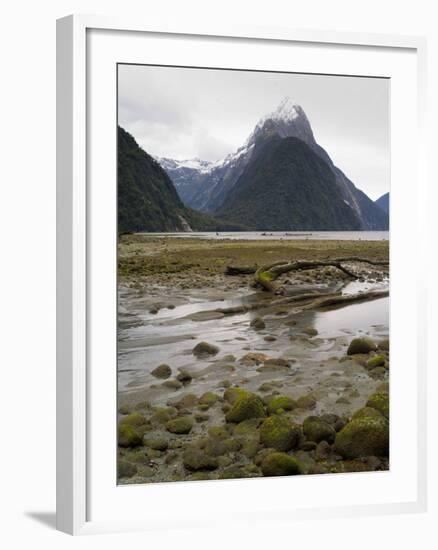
362, 437
279, 433
245, 407
128, 436
180, 425
162, 371
125, 469
361, 345
204, 349
258, 323
195, 459
280, 464
317, 430
281, 402
380, 402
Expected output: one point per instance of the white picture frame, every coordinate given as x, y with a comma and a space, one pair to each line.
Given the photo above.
78, 362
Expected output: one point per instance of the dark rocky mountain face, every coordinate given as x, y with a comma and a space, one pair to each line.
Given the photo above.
383, 202
288, 187
147, 199
205, 186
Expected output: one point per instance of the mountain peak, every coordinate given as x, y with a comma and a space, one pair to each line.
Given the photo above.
287, 110
287, 120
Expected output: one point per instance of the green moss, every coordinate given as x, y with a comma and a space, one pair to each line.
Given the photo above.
361, 345
279, 433
134, 419
125, 409
281, 402
128, 436
246, 406
375, 361
306, 402
366, 411
361, 437
163, 414
157, 443
125, 469
195, 459
380, 402
317, 430
280, 464
219, 432
180, 425
248, 427
231, 395
209, 398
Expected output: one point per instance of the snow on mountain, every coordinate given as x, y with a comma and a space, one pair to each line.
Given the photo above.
204, 185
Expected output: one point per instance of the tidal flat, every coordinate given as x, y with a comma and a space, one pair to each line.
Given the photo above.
220, 379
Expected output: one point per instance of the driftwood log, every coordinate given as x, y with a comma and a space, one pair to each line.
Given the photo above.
266, 276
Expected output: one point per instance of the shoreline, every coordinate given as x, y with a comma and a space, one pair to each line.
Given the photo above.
168, 291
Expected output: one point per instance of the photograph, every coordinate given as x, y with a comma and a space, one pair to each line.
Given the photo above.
253, 215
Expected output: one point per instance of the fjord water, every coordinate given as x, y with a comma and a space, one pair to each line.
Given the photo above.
280, 235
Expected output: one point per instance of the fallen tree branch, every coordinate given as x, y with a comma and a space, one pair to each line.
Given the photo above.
266, 275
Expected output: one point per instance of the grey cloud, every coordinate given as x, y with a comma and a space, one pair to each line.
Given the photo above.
185, 113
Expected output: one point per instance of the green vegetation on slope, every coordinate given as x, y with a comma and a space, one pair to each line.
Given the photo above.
147, 199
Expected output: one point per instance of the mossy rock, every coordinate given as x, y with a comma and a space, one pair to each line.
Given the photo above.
180, 425
343, 401
280, 464
195, 459
162, 371
248, 427
247, 406
163, 414
157, 443
220, 432
317, 430
383, 388
200, 476
231, 395
361, 437
258, 323
125, 469
310, 331
250, 446
186, 401
281, 402
208, 398
375, 361
128, 436
279, 433
384, 344
125, 409
366, 412
306, 402
204, 349
378, 372
380, 402
134, 419
361, 345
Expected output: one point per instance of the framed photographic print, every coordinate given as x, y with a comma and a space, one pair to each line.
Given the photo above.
235, 337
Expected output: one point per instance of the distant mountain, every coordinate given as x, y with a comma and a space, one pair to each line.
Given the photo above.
147, 199
288, 187
206, 185
383, 202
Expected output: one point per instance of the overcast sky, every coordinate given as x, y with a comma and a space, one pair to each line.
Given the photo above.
184, 113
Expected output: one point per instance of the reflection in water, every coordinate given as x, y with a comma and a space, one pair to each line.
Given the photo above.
360, 317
